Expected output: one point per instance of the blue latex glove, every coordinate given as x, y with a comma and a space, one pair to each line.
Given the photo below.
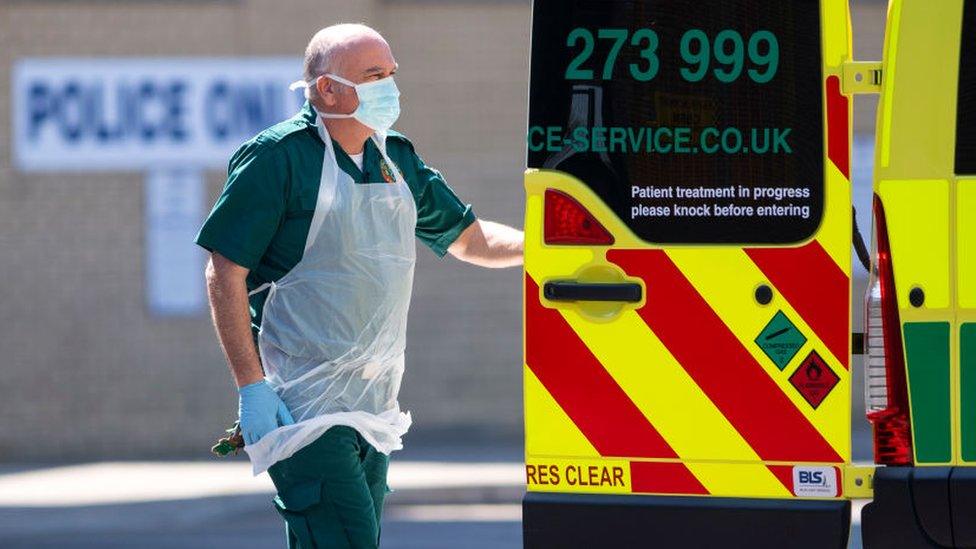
261, 411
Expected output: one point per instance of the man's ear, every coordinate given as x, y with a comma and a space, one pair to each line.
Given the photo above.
326, 91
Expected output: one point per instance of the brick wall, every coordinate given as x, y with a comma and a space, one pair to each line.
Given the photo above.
87, 372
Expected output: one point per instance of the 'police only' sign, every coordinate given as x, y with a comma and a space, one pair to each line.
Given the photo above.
139, 113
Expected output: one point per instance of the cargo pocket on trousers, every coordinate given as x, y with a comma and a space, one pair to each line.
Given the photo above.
293, 504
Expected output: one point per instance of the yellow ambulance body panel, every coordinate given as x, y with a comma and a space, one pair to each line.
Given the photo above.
928, 207
922, 343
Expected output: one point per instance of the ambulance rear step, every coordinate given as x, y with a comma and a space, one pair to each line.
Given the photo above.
569, 521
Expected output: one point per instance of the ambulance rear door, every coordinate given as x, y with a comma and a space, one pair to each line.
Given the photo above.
687, 272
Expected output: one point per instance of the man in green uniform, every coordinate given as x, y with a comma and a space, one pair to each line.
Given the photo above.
312, 255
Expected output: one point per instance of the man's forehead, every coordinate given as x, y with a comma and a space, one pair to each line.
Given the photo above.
366, 57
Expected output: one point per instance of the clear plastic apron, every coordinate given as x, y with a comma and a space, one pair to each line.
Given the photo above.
333, 331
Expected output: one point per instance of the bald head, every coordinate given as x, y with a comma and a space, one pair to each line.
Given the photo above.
339, 48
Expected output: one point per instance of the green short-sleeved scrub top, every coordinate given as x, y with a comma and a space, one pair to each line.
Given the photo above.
262, 217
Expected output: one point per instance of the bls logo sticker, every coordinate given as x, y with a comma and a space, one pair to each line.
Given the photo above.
817, 482
812, 477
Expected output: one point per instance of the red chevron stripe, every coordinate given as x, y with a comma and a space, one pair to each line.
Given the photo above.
838, 127
783, 473
815, 286
582, 386
650, 477
721, 366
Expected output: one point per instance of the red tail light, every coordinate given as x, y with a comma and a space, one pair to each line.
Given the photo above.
886, 391
568, 222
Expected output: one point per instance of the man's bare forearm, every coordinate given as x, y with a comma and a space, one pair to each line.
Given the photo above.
227, 288
489, 244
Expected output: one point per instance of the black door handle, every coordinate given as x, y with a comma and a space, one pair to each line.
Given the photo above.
571, 290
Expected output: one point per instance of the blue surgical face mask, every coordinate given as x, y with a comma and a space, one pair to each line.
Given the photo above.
379, 103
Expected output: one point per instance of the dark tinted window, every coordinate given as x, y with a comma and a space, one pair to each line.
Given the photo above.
966, 103
646, 131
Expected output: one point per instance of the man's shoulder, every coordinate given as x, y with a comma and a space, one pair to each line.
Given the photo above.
276, 139
283, 131
398, 142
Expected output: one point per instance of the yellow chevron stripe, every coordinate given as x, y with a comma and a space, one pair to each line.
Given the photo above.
735, 479
835, 229
726, 279
548, 430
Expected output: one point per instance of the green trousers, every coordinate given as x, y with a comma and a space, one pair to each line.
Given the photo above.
331, 492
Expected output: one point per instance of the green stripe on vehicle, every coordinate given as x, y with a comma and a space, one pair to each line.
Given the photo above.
927, 354
967, 382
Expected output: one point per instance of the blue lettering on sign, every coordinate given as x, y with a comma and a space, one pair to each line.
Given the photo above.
72, 111
147, 110
812, 477
150, 111
38, 96
176, 109
217, 109
236, 110
147, 93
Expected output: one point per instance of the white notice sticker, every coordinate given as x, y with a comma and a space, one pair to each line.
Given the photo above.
817, 482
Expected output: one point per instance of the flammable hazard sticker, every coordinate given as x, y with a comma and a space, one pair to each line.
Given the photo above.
814, 379
609, 476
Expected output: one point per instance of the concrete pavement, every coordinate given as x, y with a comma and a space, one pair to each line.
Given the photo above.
215, 503
445, 496
157, 505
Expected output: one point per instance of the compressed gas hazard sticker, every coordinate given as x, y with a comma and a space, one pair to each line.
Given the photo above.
780, 340
814, 379
817, 482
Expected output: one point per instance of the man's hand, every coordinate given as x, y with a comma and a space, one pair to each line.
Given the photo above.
489, 244
261, 411
260, 408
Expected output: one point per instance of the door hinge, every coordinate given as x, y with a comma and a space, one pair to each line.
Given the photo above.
862, 77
